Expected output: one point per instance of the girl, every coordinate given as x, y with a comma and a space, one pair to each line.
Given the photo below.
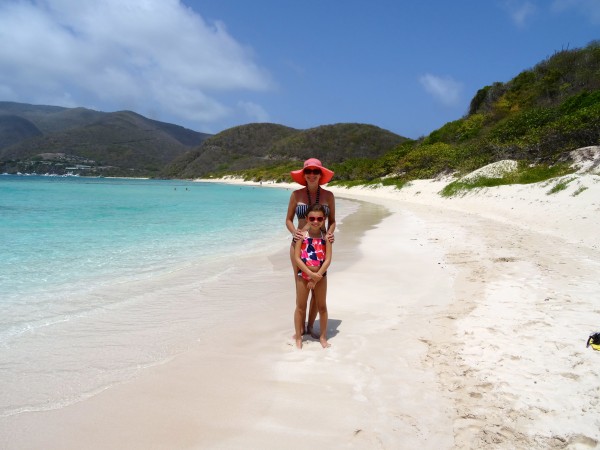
313, 257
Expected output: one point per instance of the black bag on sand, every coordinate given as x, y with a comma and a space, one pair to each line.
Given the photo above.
594, 341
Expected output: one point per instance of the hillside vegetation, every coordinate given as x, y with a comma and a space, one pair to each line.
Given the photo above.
538, 117
51, 139
272, 149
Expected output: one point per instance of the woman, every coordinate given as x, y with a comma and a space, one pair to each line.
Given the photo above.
312, 176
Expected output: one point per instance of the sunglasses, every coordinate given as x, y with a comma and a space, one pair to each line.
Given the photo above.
312, 171
313, 218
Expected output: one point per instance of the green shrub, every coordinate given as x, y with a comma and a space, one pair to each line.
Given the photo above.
458, 130
446, 133
578, 129
520, 124
397, 182
358, 169
428, 161
579, 101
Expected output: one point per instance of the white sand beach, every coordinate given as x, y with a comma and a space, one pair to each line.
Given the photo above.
454, 323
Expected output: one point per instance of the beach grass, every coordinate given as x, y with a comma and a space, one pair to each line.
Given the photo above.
578, 191
396, 182
561, 185
525, 174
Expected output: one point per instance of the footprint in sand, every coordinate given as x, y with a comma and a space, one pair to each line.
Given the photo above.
571, 376
583, 440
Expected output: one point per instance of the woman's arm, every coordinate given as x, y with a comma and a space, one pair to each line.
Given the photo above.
289, 219
331, 219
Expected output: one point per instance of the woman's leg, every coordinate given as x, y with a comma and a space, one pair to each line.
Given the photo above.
300, 312
320, 294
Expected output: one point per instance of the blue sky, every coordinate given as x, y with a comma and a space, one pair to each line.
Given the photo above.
405, 66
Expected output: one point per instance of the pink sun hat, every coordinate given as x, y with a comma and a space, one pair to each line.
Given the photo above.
312, 163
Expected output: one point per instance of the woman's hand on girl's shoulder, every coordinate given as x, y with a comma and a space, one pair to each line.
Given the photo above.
298, 234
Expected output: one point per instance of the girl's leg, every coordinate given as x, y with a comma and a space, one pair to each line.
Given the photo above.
320, 293
312, 312
300, 312
295, 274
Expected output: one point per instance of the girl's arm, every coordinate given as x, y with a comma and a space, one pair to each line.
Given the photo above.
314, 276
328, 256
299, 263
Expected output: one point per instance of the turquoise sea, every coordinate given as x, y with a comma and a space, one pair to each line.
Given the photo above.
87, 266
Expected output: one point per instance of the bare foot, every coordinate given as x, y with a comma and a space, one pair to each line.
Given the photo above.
312, 333
304, 331
299, 343
324, 342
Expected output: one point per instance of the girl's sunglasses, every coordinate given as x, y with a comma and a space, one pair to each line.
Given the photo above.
313, 218
312, 171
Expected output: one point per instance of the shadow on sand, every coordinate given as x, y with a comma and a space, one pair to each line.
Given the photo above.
332, 328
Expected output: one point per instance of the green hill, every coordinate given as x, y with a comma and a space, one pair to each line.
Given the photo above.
39, 138
265, 147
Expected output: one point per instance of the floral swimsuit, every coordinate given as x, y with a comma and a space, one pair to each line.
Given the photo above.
312, 253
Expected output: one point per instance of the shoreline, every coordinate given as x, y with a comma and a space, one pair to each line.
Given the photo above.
571, 213
452, 326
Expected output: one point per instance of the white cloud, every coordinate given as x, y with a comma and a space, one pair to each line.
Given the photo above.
519, 11
588, 8
148, 55
254, 111
444, 89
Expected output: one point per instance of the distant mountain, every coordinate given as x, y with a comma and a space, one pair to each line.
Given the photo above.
50, 119
265, 145
42, 138
14, 129
45, 138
